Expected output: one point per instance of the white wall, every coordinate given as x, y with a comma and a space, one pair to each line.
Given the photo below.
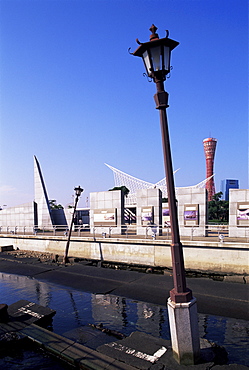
230, 258
237, 196
20, 216
149, 198
192, 196
113, 199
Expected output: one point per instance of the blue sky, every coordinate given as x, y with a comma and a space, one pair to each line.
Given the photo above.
73, 96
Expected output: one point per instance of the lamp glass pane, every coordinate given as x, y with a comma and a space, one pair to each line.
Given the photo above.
166, 54
146, 60
156, 58
78, 191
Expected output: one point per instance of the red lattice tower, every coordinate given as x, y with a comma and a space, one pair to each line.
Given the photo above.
209, 149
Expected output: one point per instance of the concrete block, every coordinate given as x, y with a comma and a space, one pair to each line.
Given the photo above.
49, 340
152, 193
7, 248
16, 326
74, 354
181, 191
116, 195
233, 208
29, 312
182, 199
101, 204
235, 279
237, 195
93, 205
115, 204
96, 361
142, 193
184, 331
120, 366
100, 196
4, 312
92, 197
139, 350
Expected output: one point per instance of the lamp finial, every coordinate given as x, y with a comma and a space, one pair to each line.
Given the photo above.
154, 35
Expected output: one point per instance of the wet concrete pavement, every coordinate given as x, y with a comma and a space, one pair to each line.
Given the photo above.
219, 298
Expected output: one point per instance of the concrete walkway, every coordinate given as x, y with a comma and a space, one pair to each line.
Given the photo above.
139, 350
220, 298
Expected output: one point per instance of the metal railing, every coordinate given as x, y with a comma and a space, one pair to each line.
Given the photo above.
61, 230
221, 232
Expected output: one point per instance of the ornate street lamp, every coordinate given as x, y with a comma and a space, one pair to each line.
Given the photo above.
78, 192
156, 57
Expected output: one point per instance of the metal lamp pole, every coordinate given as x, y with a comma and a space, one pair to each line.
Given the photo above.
180, 293
181, 304
78, 192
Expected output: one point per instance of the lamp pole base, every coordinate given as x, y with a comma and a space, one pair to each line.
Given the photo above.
184, 331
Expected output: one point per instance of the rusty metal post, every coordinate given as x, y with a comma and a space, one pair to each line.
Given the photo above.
78, 193
182, 306
180, 293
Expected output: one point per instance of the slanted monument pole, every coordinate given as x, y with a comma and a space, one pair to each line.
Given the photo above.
78, 192
182, 306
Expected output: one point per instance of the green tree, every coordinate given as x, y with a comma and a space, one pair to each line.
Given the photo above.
218, 209
53, 205
123, 188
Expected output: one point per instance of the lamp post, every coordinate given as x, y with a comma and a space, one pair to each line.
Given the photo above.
78, 192
181, 305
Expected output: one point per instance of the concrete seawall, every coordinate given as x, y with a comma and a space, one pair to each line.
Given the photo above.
206, 256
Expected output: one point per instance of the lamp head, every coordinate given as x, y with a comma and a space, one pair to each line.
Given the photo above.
156, 54
78, 191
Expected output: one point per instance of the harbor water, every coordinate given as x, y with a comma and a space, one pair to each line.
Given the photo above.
75, 309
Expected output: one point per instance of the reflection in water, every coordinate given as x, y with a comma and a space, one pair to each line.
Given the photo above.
75, 308
77, 316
